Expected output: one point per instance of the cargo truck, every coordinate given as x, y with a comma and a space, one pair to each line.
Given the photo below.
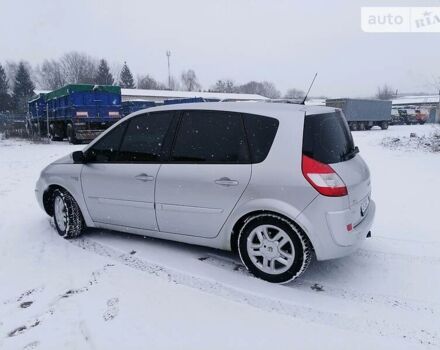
36, 121
132, 106
78, 112
363, 114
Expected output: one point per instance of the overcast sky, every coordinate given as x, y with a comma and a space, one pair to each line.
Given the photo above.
283, 41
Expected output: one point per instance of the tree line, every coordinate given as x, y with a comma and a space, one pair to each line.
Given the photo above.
18, 80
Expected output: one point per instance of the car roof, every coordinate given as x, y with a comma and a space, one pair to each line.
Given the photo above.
259, 108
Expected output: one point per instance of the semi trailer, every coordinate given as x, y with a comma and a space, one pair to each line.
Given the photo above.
363, 114
78, 112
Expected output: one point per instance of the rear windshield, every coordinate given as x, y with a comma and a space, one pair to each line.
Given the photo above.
327, 138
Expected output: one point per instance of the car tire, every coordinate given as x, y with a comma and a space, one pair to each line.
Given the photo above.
273, 248
67, 215
71, 135
52, 132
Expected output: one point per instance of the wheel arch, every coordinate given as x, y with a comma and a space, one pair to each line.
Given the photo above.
233, 239
48, 197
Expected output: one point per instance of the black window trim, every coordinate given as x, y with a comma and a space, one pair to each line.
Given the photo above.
171, 136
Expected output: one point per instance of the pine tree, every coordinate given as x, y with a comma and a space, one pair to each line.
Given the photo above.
23, 89
126, 80
5, 98
103, 75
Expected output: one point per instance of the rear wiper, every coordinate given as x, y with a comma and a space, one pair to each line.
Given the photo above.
351, 154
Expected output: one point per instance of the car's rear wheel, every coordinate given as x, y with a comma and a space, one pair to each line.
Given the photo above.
273, 248
67, 215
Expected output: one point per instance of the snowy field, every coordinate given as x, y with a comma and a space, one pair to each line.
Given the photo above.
108, 290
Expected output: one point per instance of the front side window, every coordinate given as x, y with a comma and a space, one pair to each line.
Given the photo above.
211, 137
144, 138
106, 149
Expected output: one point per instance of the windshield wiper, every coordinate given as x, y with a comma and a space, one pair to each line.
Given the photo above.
351, 153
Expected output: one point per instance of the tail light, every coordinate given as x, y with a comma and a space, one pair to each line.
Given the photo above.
323, 178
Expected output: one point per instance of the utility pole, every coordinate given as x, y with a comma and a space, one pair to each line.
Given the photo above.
169, 74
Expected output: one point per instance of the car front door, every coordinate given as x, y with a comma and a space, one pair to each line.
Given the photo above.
208, 170
119, 178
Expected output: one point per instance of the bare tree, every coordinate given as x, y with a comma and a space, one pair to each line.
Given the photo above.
11, 72
189, 80
79, 68
174, 84
385, 92
224, 85
51, 75
294, 94
264, 88
148, 82
115, 71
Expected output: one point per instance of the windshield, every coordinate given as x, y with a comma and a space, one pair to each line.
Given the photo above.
327, 138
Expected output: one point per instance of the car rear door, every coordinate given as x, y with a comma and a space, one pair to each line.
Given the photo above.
119, 180
328, 140
208, 170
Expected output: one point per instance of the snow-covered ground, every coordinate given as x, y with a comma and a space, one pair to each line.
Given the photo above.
110, 290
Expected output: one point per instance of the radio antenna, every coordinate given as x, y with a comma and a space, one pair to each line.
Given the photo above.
310, 87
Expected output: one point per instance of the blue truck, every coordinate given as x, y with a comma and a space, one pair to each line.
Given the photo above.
36, 122
78, 112
173, 101
132, 106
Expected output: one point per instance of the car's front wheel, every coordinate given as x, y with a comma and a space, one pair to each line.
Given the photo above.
67, 215
273, 248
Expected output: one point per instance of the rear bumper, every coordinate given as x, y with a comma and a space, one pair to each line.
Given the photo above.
328, 232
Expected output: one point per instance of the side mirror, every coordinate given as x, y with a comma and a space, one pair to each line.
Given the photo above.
78, 157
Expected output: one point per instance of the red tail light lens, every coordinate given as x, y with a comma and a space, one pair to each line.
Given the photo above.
323, 178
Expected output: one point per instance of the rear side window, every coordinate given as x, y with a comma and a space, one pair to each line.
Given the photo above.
261, 132
144, 138
211, 137
327, 138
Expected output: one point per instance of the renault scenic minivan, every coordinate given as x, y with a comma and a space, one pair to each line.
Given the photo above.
275, 183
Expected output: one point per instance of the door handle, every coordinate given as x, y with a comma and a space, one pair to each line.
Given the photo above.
226, 181
144, 177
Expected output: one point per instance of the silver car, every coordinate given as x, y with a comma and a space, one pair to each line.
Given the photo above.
275, 183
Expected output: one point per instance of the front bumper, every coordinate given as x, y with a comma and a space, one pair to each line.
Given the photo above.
39, 192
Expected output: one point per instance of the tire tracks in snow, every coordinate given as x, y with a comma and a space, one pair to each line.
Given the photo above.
373, 254
306, 285
376, 326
